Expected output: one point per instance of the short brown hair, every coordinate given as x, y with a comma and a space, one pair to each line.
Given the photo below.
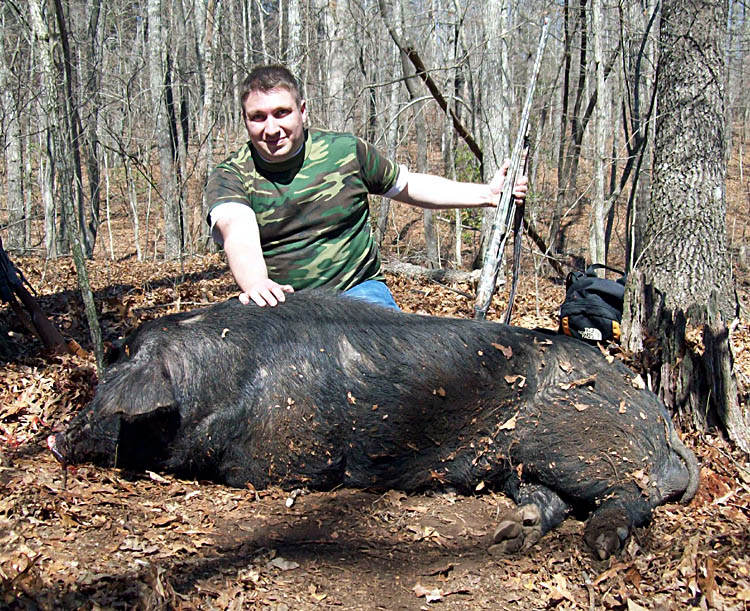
266, 78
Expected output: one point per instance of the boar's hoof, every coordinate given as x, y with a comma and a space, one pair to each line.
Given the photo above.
606, 532
518, 530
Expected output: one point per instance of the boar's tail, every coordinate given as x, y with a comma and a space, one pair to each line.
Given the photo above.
691, 462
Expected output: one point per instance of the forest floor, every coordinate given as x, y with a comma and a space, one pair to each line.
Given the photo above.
118, 540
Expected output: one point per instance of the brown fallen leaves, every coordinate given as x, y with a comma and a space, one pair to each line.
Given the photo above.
152, 541
586, 381
433, 595
506, 350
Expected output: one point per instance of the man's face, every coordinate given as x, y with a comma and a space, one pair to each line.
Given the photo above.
274, 123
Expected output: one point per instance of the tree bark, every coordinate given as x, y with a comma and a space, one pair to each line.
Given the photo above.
684, 261
684, 227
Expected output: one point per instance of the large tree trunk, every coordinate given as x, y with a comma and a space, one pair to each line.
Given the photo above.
684, 261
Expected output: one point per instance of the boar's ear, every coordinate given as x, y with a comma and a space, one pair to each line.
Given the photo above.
135, 391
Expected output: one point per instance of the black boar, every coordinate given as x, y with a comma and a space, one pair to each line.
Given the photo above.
325, 391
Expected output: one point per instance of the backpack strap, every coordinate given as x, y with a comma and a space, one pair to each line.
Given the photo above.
595, 266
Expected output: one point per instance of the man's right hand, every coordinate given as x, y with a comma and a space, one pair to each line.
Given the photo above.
265, 293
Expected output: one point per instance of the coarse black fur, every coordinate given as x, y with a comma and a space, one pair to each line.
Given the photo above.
325, 391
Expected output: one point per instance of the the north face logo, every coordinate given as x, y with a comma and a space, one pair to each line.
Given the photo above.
591, 333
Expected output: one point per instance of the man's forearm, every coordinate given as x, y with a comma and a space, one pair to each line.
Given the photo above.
428, 191
245, 262
243, 250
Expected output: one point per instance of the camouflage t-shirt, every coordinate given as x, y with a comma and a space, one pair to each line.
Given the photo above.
312, 210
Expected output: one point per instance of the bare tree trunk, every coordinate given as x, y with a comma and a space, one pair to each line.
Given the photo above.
179, 116
497, 100
13, 158
57, 120
168, 179
644, 85
70, 162
449, 165
132, 197
600, 205
392, 142
207, 41
247, 16
92, 146
259, 31
291, 47
497, 92
336, 60
432, 253
27, 202
45, 176
569, 30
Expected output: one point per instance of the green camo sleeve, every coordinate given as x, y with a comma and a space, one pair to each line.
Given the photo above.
226, 182
379, 173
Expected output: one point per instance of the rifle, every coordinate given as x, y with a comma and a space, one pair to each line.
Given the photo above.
505, 213
517, 236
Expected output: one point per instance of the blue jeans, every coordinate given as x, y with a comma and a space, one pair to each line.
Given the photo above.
373, 291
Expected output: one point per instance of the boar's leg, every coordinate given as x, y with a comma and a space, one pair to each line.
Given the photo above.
611, 523
539, 510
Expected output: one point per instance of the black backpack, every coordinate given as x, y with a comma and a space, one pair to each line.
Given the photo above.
592, 310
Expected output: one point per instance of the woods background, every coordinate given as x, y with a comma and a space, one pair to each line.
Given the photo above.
146, 92
113, 115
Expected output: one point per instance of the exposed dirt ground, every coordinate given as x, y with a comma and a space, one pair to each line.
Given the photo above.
117, 540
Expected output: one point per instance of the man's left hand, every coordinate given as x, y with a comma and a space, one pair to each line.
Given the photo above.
498, 181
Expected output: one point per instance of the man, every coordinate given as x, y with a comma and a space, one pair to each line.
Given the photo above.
291, 208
